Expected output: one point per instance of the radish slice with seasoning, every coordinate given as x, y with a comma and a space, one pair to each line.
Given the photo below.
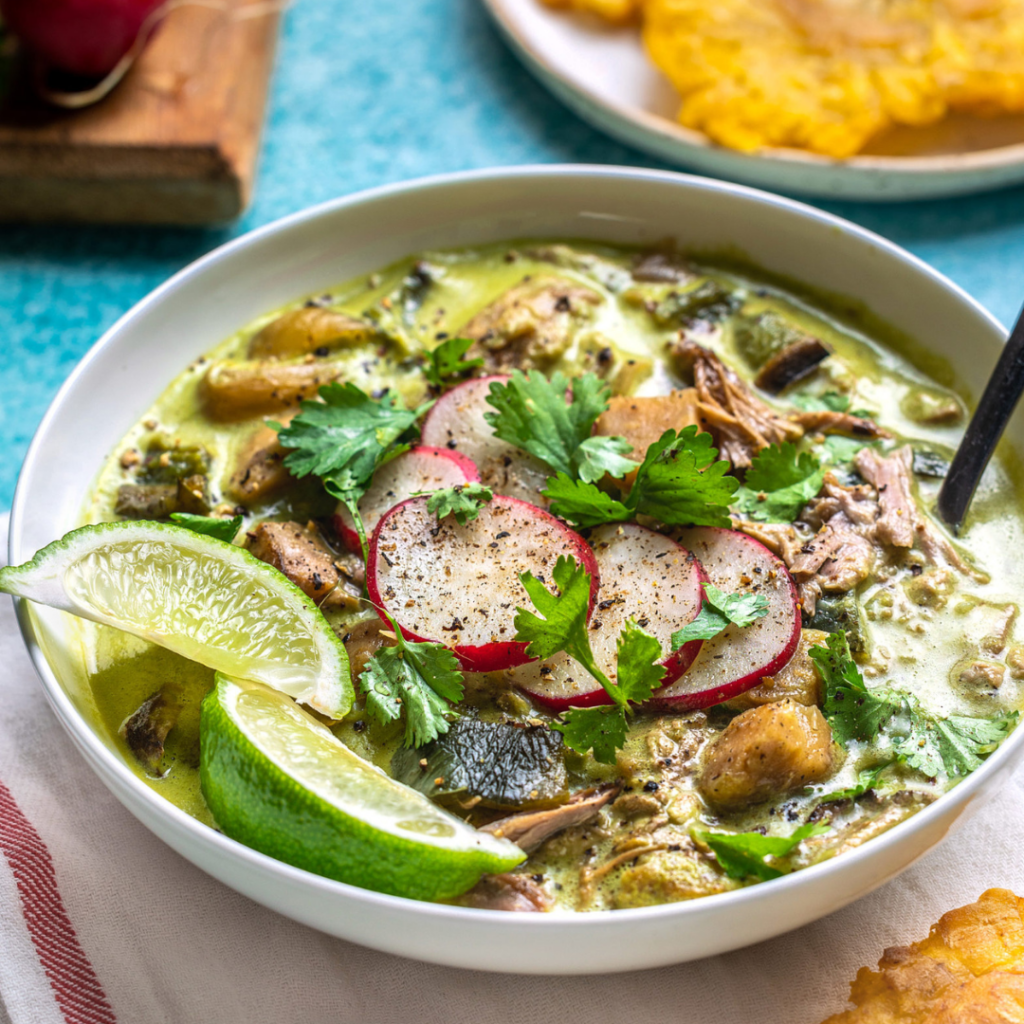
459, 585
736, 659
645, 576
456, 423
419, 469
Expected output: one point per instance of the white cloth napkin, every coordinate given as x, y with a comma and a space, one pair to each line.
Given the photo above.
120, 928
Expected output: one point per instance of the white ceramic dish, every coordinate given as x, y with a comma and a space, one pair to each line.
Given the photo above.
134, 361
603, 74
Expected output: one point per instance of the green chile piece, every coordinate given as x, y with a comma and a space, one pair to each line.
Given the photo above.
504, 764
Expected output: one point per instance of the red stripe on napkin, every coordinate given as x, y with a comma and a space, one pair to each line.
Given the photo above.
75, 986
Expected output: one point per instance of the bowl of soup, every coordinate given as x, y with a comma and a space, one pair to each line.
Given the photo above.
731, 410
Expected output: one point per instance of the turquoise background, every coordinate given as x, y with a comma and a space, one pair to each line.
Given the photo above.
369, 93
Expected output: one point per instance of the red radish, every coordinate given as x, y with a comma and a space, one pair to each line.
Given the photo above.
457, 423
419, 469
85, 37
459, 585
737, 659
645, 576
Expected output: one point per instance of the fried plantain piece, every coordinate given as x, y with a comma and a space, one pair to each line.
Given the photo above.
970, 970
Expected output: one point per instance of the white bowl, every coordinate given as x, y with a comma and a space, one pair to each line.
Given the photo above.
315, 249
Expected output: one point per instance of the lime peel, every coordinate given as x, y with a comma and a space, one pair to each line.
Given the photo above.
280, 782
205, 599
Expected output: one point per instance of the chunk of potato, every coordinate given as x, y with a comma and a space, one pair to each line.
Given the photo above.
669, 876
309, 329
765, 753
798, 679
237, 391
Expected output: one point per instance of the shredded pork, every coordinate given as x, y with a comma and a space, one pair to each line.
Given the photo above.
740, 423
531, 829
845, 531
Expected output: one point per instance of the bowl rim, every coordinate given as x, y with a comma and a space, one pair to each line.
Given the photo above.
99, 754
989, 158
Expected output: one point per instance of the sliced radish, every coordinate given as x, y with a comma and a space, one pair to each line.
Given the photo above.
459, 585
419, 469
456, 423
645, 576
737, 659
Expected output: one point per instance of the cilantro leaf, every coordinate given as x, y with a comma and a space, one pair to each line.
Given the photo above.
209, 526
417, 678
933, 745
719, 610
779, 483
638, 671
463, 501
601, 729
564, 623
709, 623
532, 413
853, 711
598, 455
445, 362
866, 779
839, 449
678, 483
744, 854
562, 626
956, 744
830, 401
584, 504
344, 437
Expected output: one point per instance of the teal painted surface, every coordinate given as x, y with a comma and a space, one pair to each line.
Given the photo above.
366, 94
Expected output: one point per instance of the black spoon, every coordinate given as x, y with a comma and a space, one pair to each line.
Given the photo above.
983, 432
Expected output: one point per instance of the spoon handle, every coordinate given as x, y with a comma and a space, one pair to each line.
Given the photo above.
983, 432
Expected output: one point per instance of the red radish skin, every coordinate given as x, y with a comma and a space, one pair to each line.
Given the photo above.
736, 659
645, 576
419, 469
457, 423
85, 37
459, 585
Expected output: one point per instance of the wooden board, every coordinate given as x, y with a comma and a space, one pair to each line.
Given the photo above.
175, 143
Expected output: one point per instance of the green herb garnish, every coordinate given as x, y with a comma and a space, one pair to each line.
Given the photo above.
933, 745
445, 364
779, 483
745, 854
562, 626
719, 610
463, 501
866, 779
210, 526
678, 483
417, 679
838, 449
345, 438
830, 401
537, 415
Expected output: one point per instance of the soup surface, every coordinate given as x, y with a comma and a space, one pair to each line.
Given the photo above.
866, 434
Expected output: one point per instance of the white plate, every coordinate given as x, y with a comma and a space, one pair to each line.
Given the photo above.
603, 73
131, 365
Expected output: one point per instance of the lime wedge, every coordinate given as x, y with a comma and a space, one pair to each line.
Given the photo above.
208, 600
278, 781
